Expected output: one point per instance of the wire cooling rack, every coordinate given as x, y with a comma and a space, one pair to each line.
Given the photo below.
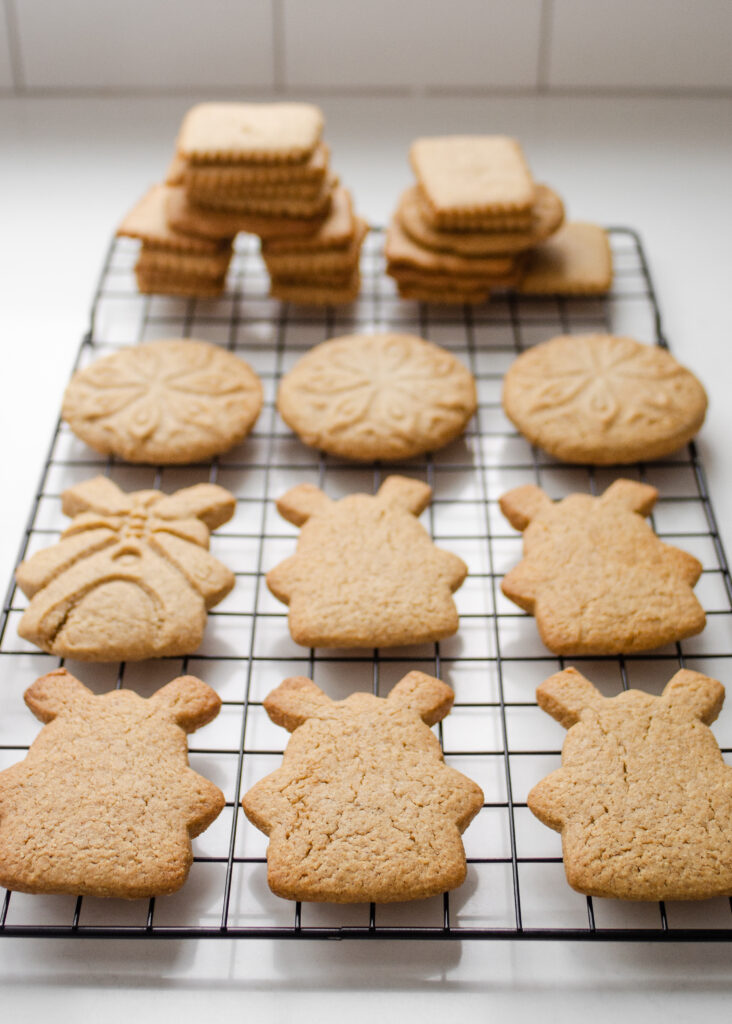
495, 734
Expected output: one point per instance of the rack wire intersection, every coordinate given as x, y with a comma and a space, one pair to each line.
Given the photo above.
496, 734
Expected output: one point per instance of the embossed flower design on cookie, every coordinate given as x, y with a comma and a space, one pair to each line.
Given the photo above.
603, 399
380, 396
168, 401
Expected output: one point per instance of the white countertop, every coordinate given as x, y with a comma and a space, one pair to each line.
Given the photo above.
70, 169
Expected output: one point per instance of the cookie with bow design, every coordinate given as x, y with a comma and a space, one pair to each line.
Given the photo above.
131, 577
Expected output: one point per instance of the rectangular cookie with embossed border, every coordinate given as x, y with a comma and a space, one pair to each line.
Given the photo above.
276, 133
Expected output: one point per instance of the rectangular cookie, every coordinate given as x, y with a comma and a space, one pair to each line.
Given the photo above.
224, 176
270, 206
269, 133
402, 251
189, 285
577, 260
334, 259
317, 295
337, 229
465, 177
221, 224
148, 221
152, 260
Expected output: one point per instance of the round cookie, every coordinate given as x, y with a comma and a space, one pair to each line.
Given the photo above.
602, 399
167, 402
377, 396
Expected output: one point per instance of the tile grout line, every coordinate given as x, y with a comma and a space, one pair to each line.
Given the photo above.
14, 48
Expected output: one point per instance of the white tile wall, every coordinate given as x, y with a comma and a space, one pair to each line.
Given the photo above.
146, 44
411, 43
668, 44
250, 46
6, 71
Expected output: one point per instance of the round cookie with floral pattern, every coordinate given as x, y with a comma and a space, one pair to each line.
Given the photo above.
602, 399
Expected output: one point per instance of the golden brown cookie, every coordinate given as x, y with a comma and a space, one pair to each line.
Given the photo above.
337, 229
238, 176
317, 293
171, 401
377, 396
165, 262
204, 222
189, 286
402, 251
363, 808
253, 133
148, 220
131, 577
258, 205
575, 261
365, 573
594, 574
547, 215
104, 803
466, 178
643, 799
301, 261
603, 399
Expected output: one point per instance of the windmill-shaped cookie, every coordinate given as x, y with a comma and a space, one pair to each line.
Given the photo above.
104, 803
131, 577
643, 799
594, 574
363, 809
366, 573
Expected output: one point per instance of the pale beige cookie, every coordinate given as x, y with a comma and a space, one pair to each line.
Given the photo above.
250, 132
364, 808
104, 803
152, 261
316, 293
283, 205
237, 176
334, 259
575, 261
594, 574
377, 396
601, 399
189, 286
365, 573
643, 799
221, 224
172, 401
131, 577
337, 229
402, 251
547, 215
148, 221
466, 177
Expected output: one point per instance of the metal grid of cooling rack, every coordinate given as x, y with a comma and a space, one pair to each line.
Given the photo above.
495, 734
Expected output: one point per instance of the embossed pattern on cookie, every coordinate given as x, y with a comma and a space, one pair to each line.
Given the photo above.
169, 401
130, 577
363, 807
104, 803
603, 399
366, 573
594, 574
643, 799
377, 396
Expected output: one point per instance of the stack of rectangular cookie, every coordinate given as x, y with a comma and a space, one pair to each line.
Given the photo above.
170, 261
264, 169
466, 226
